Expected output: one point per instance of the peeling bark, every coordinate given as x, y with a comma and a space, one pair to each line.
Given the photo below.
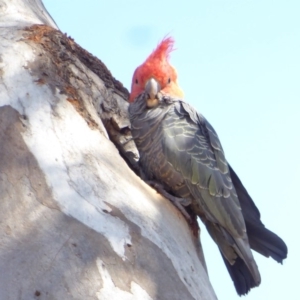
76, 222
63, 64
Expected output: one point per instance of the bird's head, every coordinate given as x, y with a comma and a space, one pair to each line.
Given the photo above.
156, 75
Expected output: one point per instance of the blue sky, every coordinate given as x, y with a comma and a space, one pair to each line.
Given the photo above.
238, 63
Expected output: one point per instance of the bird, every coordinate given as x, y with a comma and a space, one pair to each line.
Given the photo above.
182, 157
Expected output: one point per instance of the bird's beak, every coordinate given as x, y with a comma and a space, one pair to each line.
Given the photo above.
152, 88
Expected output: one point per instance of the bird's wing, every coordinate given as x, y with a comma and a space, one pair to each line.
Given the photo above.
192, 146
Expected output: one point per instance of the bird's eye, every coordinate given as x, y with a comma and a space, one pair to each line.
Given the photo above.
136, 81
169, 80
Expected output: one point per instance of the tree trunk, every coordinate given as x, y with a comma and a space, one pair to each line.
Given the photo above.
76, 221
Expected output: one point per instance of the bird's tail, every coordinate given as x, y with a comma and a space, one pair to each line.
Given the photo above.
240, 275
238, 258
266, 242
260, 238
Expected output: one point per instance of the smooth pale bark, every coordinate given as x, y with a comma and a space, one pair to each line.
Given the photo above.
75, 221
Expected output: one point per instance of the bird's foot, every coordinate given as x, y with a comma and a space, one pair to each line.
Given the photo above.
178, 202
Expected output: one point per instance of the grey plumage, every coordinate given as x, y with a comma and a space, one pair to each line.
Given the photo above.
180, 150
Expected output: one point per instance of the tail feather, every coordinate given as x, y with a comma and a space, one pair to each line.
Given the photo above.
260, 238
266, 242
238, 258
240, 275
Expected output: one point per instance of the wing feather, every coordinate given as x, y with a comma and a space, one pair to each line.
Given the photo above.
192, 146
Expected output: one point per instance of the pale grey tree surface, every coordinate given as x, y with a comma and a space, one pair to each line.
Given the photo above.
75, 221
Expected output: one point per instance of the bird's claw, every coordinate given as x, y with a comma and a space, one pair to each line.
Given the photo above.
178, 202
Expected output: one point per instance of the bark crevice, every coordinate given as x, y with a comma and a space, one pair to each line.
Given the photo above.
57, 51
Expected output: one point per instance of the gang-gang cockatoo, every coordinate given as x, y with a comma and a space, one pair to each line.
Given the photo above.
181, 152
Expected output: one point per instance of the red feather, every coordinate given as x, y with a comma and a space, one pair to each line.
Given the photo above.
163, 49
157, 66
